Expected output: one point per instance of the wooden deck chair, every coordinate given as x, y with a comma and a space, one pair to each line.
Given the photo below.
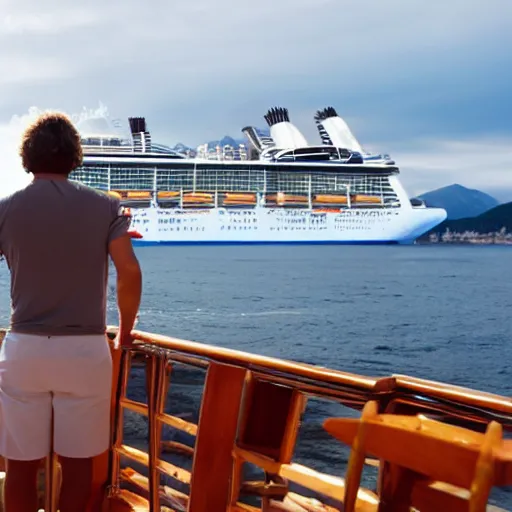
425, 464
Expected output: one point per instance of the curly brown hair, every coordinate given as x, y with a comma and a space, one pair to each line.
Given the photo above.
51, 144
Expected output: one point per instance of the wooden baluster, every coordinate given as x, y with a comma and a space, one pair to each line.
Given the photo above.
155, 369
52, 479
357, 458
398, 485
218, 422
484, 471
236, 480
117, 419
391, 476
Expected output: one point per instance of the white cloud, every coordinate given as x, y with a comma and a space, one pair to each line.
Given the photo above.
12, 175
483, 163
15, 70
29, 21
188, 47
200, 69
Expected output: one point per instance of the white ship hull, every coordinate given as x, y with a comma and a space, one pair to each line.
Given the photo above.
283, 225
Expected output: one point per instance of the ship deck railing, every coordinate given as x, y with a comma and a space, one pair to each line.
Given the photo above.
250, 412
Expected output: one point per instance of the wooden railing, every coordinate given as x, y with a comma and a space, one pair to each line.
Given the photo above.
250, 412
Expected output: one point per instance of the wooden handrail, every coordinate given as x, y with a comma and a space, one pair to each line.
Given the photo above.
251, 361
456, 393
317, 374
351, 389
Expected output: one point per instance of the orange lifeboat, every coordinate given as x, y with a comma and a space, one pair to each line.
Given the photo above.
168, 194
288, 198
137, 194
231, 198
329, 199
197, 198
281, 199
366, 199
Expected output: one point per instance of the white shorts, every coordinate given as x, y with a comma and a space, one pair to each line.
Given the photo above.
69, 376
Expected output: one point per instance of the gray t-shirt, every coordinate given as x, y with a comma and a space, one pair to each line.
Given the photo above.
54, 235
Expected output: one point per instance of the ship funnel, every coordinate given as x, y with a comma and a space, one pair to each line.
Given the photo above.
259, 141
334, 130
284, 133
140, 136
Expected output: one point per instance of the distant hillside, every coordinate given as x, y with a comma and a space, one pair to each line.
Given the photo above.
491, 222
460, 202
181, 148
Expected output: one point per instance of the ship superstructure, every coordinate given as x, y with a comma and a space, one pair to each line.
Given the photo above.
279, 189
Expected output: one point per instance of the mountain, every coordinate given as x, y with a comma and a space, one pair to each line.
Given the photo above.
181, 148
460, 202
493, 221
226, 141
489, 222
502, 193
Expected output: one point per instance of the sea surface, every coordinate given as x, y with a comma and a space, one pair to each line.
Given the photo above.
436, 312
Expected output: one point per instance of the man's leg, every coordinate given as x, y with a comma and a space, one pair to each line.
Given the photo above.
81, 406
25, 419
20, 487
76, 484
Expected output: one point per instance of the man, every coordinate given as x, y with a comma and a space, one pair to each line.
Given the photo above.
56, 236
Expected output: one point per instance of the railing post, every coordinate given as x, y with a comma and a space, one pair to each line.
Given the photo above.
151, 371
121, 363
157, 380
218, 423
52, 483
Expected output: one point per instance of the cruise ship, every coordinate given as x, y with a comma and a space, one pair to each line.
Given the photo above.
276, 189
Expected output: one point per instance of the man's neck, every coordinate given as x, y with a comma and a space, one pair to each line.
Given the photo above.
50, 176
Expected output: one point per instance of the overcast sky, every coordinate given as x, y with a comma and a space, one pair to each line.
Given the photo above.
428, 82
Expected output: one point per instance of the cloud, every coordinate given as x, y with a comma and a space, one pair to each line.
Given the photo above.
21, 70
31, 22
12, 175
190, 47
484, 164
396, 70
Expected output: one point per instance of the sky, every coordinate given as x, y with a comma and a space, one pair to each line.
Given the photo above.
427, 82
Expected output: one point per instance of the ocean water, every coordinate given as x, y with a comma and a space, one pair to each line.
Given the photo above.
436, 312
439, 312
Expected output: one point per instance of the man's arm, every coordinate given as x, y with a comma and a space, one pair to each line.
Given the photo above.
129, 284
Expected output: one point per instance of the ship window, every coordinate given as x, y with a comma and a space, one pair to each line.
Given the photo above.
175, 179
95, 176
136, 178
270, 180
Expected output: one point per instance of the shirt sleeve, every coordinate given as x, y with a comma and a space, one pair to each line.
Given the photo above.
120, 221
